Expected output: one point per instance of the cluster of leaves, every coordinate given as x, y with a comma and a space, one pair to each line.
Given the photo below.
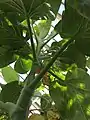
67, 79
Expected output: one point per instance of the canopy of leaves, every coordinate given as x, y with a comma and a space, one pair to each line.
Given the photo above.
28, 40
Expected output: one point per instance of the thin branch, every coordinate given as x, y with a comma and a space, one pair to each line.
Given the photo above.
48, 40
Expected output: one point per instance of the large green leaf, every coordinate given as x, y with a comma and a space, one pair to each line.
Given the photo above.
42, 28
14, 17
73, 55
9, 74
11, 35
79, 116
72, 100
3, 1
70, 56
5, 37
35, 8
82, 6
41, 8
10, 92
24, 51
79, 79
69, 24
63, 101
86, 106
57, 94
79, 91
22, 65
83, 38
6, 56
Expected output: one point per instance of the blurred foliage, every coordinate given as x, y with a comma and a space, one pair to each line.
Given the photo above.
67, 80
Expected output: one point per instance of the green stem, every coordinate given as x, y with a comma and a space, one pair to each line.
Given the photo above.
40, 46
22, 105
48, 40
46, 68
29, 30
28, 90
31, 38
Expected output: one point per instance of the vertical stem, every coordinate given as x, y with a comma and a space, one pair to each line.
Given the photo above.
31, 37
22, 105
29, 30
